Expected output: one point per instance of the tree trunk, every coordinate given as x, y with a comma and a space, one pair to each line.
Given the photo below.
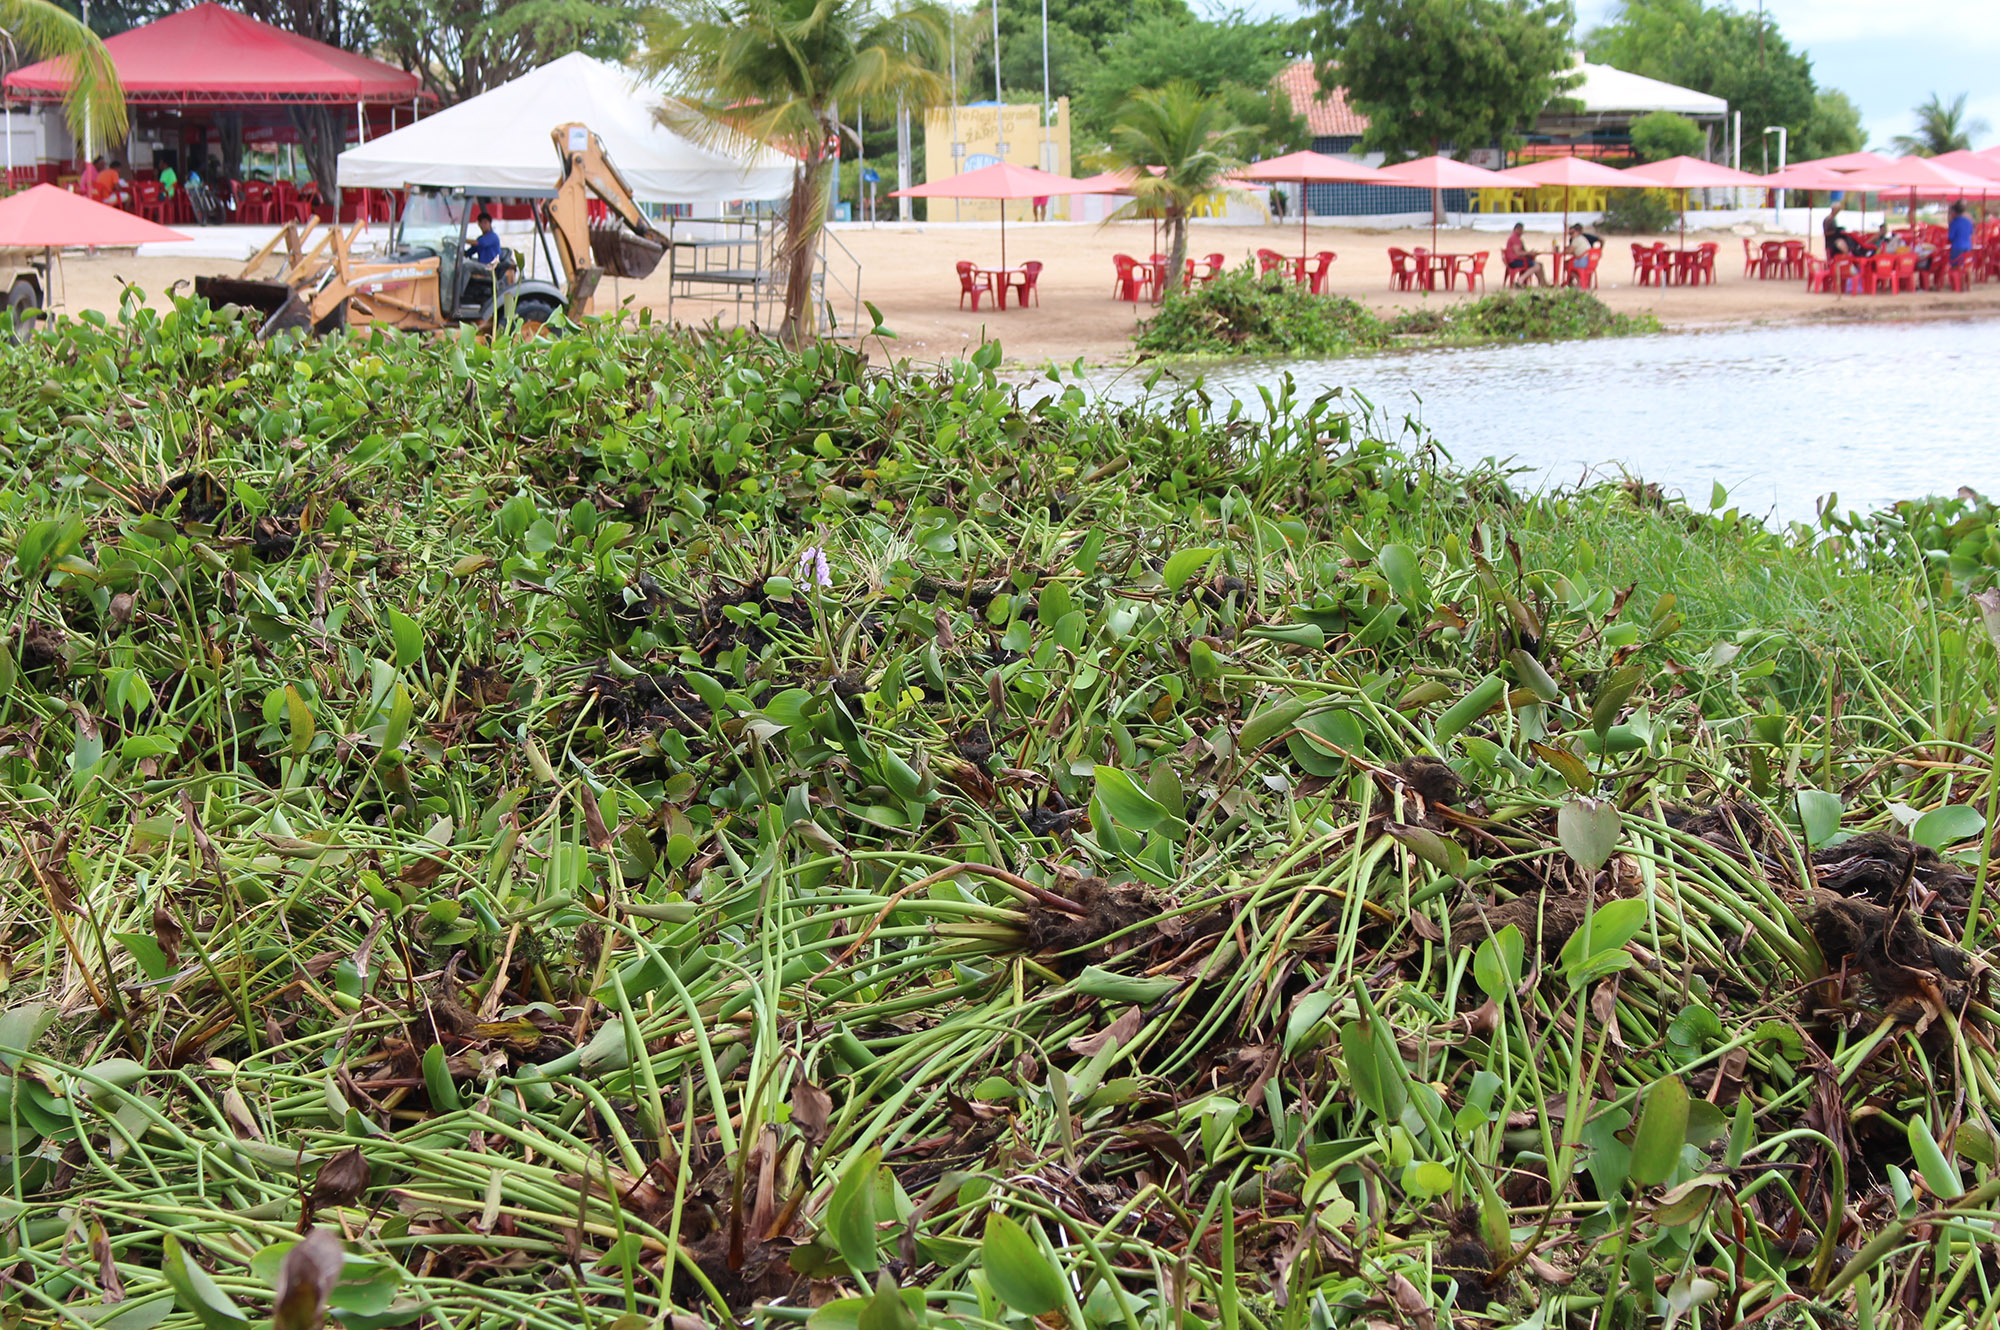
322, 132
1176, 248
805, 214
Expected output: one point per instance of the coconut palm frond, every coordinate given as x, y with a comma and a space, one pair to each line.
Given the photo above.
95, 104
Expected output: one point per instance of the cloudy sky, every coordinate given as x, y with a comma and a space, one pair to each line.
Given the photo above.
1887, 57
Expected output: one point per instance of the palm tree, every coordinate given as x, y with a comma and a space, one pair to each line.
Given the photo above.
1180, 143
38, 30
780, 73
1940, 129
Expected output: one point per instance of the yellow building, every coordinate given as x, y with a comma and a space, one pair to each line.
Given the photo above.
965, 138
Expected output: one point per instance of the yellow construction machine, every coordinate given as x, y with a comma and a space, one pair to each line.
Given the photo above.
426, 281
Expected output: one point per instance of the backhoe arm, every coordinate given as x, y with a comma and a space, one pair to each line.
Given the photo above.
588, 170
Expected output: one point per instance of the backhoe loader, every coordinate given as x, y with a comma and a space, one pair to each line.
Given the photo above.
425, 282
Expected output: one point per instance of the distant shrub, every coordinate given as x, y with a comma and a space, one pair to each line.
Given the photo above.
1639, 212
1245, 313
1546, 316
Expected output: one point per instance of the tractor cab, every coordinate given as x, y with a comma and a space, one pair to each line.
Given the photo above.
437, 223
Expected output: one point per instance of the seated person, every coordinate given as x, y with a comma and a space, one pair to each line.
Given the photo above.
485, 249
1958, 235
1579, 248
1516, 256
108, 186
1888, 242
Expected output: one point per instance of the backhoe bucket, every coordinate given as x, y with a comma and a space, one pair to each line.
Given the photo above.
622, 254
266, 298
294, 313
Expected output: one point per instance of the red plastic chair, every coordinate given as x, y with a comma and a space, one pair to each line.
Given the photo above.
1024, 283
1269, 260
1316, 274
257, 205
1819, 274
1954, 276
1753, 260
1774, 259
147, 202
970, 284
1132, 280
1704, 264
1646, 264
1214, 263
1905, 276
1586, 276
1420, 262
1400, 274
1475, 269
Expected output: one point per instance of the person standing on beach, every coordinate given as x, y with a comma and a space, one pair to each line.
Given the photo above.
1959, 235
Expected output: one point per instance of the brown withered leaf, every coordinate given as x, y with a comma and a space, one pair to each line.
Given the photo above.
340, 1181
812, 1108
167, 932
108, 1278
1119, 1032
305, 1280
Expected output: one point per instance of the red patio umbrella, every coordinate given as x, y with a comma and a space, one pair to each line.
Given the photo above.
1003, 180
49, 218
1809, 178
1921, 175
1436, 173
1847, 161
1569, 172
1686, 173
1307, 168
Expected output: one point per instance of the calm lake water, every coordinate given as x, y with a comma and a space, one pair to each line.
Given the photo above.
1780, 416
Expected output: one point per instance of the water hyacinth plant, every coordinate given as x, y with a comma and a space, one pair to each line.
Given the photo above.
636, 830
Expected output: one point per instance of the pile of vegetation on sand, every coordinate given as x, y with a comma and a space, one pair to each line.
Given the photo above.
622, 830
1243, 313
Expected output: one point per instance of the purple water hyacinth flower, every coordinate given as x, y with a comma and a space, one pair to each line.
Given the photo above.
812, 567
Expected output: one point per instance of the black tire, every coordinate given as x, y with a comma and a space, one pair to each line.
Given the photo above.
533, 309
24, 304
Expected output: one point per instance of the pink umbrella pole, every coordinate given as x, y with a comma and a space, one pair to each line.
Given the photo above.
1303, 212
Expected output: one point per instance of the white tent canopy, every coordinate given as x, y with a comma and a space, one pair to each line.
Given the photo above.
1606, 91
498, 142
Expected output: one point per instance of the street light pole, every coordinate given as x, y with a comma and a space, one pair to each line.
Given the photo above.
1784, 138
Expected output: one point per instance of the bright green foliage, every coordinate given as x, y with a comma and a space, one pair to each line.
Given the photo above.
40, 30
1234, 58
1833, 129
438, 784
784, 73
1080, 31
1435, 73
1639, 212
1941, 127
1737, 54
461, 48
1663, 134
1181, 142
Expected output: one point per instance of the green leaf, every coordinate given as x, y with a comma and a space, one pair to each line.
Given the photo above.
299, 718
1485, 695
22, 1027
196, 1293
1939, 1173
1184, 564
1403, 571
850, 1213
1129, 989
886, 1310
1589, 830
1129, 805
1374, 1067
1948, 825
1020, 1274
1612, 925
1496, 965
409, 639
438, 1084
1662, 1131
1529, 672
1613, 696
1819, 816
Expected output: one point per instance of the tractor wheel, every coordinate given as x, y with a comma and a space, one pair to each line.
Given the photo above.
24, 303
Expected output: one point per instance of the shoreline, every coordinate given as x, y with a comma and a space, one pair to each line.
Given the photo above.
910, 275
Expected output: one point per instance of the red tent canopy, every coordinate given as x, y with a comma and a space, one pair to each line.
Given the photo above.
211, 56
49, 218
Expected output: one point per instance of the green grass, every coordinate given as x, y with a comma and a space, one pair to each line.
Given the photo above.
1172, 869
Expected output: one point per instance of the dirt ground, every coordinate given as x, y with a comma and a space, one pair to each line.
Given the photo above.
908, 273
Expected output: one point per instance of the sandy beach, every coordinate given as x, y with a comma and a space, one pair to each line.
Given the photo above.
908, 273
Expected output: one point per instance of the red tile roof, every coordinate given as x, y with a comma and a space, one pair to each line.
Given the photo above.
1327, 114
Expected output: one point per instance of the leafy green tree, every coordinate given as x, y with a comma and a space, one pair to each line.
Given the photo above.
1663, 134
1428, 73
1740, 57
461, 48
1072, 60
38, 30
1188, 137
782, 73
1098, 22
1833, 128
1941, 127
1235, 59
